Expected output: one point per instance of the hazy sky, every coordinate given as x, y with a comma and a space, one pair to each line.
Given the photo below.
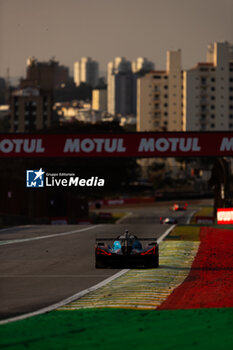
104, 29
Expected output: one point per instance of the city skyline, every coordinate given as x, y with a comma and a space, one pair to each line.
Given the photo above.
105, 29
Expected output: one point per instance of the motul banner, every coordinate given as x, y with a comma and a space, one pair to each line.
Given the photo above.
225, 216
172, 144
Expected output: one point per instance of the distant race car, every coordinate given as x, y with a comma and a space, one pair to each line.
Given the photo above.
169, 221
177, 207
126, 251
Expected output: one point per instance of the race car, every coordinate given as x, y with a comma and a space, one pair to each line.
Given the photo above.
177, 207
126, 251
168, 221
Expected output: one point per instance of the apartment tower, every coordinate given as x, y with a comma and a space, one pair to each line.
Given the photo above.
86, 71
159, 97
208, 91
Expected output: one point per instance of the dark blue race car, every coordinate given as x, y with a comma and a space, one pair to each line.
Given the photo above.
127, 251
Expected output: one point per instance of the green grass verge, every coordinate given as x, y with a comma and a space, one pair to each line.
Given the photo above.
191, 232
124, 329
118, 216
205, 211
185, 233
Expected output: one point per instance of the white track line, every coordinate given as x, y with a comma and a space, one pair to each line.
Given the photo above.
119, 221
48, 236
166, 233
191, 215
78, 295
66, 301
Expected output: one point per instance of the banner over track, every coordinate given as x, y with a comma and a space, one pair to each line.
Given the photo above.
166, 144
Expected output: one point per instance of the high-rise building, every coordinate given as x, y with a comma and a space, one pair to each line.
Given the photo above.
31, 104
122, 84
47, 75
142, 64
86, 71
119, 90
31, 109
99, 100
208, 91
159, 97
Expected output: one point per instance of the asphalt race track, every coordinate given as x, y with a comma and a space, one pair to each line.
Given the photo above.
42, 270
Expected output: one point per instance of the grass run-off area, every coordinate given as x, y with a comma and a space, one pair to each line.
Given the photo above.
205, 211
122, 329
185, 233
